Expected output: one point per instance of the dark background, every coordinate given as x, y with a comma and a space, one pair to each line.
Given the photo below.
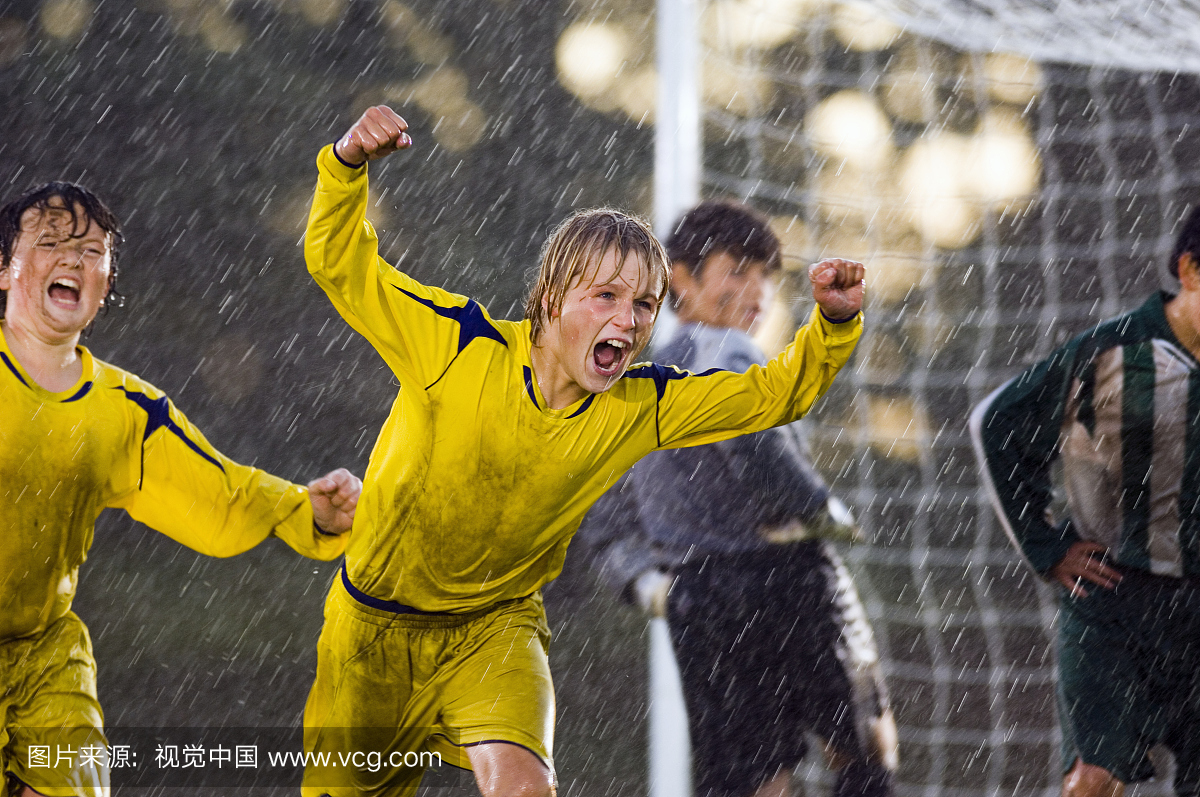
208, 159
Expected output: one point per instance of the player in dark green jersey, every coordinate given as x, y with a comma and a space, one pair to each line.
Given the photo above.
1119, 407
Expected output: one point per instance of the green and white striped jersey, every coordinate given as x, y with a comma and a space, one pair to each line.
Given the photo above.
1120, 404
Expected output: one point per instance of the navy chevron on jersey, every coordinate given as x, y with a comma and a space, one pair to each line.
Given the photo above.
113, 440
475, 486
1120, 404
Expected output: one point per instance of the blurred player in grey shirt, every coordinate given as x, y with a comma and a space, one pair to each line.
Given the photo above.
727, 541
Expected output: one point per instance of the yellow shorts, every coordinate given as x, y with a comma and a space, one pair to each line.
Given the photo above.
52, 736
390, 687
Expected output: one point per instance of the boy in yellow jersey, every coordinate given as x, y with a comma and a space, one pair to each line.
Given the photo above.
78, 435
502, 435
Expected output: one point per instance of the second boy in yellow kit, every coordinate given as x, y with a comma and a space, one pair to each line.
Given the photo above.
502, 436
78, 435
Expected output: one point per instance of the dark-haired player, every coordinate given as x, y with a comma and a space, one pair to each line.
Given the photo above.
502, 436
1119, 408
78, 435
770, 635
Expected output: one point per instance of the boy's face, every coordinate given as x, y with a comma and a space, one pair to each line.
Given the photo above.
56, 282
606, 318
728, 293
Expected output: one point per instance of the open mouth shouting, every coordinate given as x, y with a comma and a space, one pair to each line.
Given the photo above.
65, 291
609, 356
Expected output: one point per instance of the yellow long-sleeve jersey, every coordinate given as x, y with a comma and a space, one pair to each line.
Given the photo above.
475, 487
113, 440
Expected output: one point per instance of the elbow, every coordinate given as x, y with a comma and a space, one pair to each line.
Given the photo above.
314, 254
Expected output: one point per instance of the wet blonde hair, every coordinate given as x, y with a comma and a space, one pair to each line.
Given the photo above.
582, 239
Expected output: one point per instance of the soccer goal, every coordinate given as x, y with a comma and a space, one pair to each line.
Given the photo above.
1013, 172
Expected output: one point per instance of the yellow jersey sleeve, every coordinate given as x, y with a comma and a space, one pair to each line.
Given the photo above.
418, 330
695, 409
200, 498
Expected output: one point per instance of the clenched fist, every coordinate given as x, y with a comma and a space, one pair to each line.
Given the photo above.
837, 286
378, 133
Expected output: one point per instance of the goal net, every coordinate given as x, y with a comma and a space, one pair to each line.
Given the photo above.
1012, 172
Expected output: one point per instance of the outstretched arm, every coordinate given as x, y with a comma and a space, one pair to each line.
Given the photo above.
705, 408
197, 496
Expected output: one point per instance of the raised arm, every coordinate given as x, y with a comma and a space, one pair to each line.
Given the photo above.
718, 405
198, 497
418, 330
